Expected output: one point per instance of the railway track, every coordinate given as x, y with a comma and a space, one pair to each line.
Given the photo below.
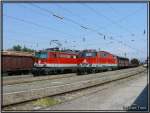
71, 96
17, 77
31, 78
25, 92
10, 80
54, 82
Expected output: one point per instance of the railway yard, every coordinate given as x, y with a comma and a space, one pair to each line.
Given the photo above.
57, 58
71, 91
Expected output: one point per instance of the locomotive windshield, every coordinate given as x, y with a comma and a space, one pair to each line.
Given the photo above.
88, 54
41, 55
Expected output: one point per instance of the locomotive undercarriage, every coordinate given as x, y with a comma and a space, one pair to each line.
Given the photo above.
88, 70
37, 71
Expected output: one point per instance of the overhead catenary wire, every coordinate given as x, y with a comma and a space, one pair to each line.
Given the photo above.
62, 8
69, 12
114, 22
24, 41
38, 25
65, 18
107, 18
127, 16
91, 29
68, 19
61, 17
85, 27
57, 16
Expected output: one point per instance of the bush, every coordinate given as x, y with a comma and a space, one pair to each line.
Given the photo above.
19, 48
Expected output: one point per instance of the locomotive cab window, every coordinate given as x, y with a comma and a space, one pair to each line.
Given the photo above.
114, 57
74, 57
41, 55
103, 54
64, 56
88, 54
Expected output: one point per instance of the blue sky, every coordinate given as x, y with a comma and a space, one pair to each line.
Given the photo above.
34, 27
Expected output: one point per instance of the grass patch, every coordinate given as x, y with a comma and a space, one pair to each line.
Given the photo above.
44, 102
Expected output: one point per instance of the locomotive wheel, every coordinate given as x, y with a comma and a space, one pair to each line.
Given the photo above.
89, 71
49, 72
93, 71
55, 72
78, 72
58, 71
46, 73
38, 73
109, 69
85, 72
99, 71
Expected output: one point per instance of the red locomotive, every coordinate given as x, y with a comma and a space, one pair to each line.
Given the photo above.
54, 61
91, 61
86, 61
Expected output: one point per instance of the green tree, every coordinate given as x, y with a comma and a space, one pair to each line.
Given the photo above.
25, 49
135, 62
17, 48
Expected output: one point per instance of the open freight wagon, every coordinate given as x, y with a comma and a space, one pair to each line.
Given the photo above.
16, 62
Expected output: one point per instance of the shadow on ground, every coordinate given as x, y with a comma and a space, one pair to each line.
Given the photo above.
141, 102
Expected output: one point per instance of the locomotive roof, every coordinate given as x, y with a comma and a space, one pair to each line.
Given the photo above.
66, 52
100, 52
115, 55
17, 53
109, 53
106, 52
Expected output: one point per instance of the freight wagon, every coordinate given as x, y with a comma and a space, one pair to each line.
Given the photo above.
122, 62
14, 62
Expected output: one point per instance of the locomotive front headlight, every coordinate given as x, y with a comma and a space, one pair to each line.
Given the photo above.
81, 65
84, 65
35, 64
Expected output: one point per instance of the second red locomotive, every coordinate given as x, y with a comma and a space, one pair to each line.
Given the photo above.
91, 61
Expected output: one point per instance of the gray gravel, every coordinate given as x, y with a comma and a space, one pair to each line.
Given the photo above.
114, 97
47, 83
94, 98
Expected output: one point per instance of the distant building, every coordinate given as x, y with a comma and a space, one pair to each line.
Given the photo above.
146, 64
147, 60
